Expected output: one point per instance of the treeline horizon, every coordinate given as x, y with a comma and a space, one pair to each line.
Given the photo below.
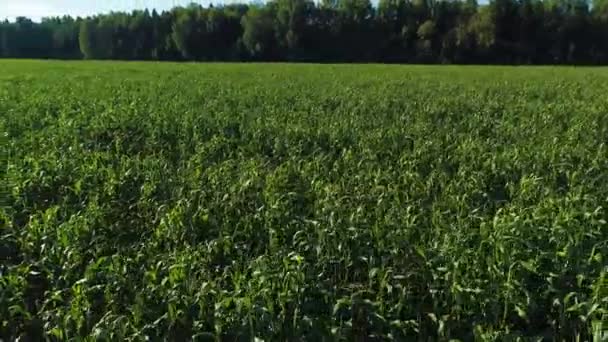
394, 31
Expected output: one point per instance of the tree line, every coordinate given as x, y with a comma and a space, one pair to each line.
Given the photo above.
394, 31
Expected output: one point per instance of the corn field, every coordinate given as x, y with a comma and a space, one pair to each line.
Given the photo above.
277, 202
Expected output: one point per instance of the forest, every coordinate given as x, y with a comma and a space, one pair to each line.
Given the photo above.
391, 31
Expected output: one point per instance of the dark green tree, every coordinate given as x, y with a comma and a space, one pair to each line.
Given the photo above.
259, 36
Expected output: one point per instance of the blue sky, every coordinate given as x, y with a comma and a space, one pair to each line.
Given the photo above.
37, 9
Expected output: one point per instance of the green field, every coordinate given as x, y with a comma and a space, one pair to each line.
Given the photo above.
231, 202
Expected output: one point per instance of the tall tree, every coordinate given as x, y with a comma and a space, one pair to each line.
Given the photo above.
86, 39
259, 33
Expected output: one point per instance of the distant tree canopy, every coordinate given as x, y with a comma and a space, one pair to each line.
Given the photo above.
400, 31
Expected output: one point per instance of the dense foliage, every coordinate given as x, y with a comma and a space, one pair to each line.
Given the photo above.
420, 31
233, 202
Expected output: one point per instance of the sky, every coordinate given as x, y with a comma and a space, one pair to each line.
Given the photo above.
36, 9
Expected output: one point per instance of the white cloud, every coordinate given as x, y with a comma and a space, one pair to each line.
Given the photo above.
34, 9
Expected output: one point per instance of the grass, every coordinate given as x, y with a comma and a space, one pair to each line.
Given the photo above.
302, 202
